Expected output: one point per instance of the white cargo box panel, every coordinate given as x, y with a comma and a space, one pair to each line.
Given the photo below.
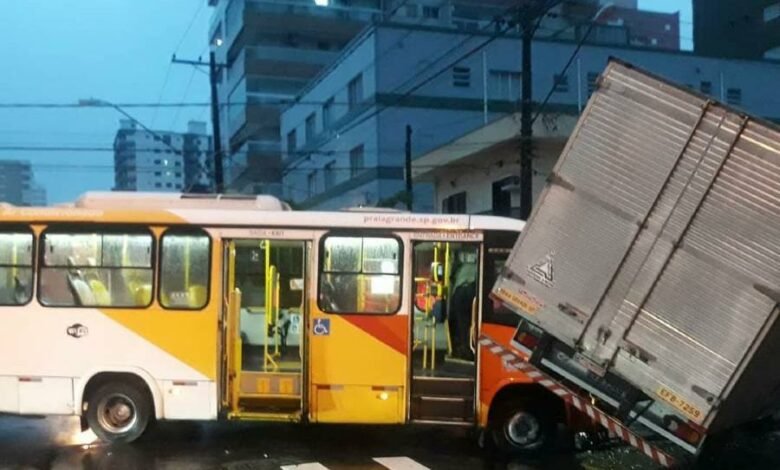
655, 248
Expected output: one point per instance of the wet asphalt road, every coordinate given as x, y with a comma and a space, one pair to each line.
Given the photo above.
53, 443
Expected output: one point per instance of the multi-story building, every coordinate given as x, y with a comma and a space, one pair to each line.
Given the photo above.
269, 50
18, 186
344, 140
162, 160
748, 29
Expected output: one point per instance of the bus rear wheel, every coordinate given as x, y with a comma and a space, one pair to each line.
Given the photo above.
520, 428
118, 412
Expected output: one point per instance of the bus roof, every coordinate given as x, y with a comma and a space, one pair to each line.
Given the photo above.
243, 211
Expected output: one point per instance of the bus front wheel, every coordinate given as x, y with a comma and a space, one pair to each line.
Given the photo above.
519, 428
118, 412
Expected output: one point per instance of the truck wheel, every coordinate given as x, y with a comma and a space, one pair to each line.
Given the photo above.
118, 412
519, 428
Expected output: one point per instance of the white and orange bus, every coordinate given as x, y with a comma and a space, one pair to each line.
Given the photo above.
123, 308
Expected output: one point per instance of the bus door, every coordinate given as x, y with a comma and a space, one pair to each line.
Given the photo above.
266, 292
444, 327
359, 336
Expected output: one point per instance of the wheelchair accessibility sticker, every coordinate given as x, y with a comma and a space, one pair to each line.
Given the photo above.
321, 327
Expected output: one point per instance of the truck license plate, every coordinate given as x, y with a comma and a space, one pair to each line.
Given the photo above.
686, 408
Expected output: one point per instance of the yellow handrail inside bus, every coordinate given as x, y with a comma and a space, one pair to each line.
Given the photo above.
270, 273
447, 267
14, 263
229, 338
234, 364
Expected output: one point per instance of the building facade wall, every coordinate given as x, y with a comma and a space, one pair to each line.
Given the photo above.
452, 104
161, 160
18, 186
272, 48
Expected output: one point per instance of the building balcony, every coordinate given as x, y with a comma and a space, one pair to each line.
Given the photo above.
334, 13
292, 54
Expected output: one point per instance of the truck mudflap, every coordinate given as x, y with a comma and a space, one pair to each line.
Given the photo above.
514, 361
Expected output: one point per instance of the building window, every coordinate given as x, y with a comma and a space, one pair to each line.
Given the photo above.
734, 96
158, 185
291, 143
178, 186
16, 273
168, 185
178, 174
360, 275
327, 114
502, 198
504, 85
312, 183
157, 173
461, 77
356, 160
355, 92
705, 87
184, 270
455, 204
561, 83
91, 269
178, 164
330, 176
593, 82
311, 128
430, 12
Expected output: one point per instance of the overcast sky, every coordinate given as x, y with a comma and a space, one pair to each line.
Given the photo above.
57, 51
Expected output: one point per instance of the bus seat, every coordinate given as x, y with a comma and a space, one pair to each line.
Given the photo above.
81, 291
197, 295
142, 295
140, 292
100, 292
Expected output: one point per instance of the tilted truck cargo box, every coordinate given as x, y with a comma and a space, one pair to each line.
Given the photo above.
653, 253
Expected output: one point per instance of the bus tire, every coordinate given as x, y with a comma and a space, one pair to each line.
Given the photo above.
519, 428
118, 412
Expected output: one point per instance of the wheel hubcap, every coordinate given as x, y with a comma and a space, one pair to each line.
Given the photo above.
117, 413
523, 429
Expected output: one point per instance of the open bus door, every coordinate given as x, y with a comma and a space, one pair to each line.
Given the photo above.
265, 295
444, 323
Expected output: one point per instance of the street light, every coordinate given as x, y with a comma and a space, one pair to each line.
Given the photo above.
98, 103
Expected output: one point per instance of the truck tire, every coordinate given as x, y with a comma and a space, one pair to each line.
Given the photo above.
118, 412
518, 428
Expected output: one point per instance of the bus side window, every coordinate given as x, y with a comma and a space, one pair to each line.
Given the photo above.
16, 271
96, 269
184, 270
360, 275
493, 311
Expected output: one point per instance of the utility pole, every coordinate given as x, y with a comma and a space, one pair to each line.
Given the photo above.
526, 114
408, 168
219, 182
214, 70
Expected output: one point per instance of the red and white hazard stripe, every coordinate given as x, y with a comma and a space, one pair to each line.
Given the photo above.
514, 361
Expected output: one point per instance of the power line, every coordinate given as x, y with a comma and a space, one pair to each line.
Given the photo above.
255, 102
168, 69
303, 153
184, 96
381, 108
